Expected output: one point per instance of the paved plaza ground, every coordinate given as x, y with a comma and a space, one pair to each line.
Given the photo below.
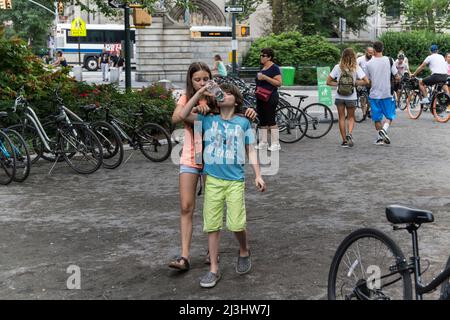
121, 227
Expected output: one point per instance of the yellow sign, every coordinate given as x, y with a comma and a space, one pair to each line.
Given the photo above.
78, 28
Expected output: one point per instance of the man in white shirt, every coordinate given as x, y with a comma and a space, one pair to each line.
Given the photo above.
439, 72
382, 103
364, 60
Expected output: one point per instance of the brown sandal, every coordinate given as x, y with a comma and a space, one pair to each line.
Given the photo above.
180, 263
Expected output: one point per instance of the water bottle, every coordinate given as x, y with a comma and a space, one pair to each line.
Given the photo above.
214, 88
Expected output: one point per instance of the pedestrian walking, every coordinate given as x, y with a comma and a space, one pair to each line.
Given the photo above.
268, 81
364, 59
228, 138
191, 164
104, 62
346, 76
219, 68
118, 62
380, 70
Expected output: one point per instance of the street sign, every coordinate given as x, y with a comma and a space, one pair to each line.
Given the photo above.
78, 28
115, 4
342, 25
234, 9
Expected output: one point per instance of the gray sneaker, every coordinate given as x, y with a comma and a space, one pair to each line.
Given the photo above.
244, 264
210, 279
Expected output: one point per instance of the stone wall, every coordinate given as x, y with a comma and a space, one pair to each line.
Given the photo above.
165, 50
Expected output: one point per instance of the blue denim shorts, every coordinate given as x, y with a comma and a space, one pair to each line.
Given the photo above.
187, 169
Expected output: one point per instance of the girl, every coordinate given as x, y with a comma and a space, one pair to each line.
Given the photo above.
190, 167
347, 66
219, 68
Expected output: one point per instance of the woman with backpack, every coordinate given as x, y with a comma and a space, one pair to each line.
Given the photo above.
346, 76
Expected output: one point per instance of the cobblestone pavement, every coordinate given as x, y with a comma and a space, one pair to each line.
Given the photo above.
121, 227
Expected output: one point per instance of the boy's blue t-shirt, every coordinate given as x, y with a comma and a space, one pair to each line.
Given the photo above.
224, 145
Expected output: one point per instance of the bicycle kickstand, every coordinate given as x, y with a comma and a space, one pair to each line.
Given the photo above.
56, 161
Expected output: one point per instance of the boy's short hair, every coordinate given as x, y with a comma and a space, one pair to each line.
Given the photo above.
378, 46
234, 90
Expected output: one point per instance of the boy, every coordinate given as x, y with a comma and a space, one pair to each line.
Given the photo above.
227, 137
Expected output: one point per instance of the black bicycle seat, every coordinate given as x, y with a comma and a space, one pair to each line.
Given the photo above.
3, 114
397, 214
301, 96
89, 107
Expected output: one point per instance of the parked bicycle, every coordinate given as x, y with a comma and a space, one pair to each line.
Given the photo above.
7, 159
319, 116
110, 139
440, 100
18, 154
73, 142
150, 138
362, 111
369, 265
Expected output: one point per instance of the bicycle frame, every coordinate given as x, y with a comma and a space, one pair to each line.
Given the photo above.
420, 288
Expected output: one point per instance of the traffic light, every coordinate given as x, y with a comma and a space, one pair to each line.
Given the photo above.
245, 31
60, 8
8, 4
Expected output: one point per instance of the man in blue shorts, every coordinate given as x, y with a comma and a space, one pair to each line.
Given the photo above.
382, 103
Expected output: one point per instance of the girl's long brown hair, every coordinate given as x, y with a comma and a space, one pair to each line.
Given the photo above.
348, 60
190, 91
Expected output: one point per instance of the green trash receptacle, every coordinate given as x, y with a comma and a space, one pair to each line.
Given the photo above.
287, 75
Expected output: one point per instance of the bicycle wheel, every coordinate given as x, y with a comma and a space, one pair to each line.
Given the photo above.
445, 286
51, 130
292, 124
439, 107
154, 142
361, 108
80, 148
7, 159
366, 266
23, 162
402, 99
320, 120
413, 105
111, 143
33, 141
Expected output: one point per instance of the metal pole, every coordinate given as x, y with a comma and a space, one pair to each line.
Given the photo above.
127, 49
79, 53
233, 40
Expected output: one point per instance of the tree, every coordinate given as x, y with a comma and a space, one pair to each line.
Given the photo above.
29, 22
318, 16
432, 15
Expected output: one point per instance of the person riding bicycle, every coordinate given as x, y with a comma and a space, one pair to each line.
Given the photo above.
403, 69
439, 69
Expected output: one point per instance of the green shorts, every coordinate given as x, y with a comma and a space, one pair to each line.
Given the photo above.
219, 192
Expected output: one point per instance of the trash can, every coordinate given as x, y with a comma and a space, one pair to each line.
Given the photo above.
114, 75
287, 75
78, 73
